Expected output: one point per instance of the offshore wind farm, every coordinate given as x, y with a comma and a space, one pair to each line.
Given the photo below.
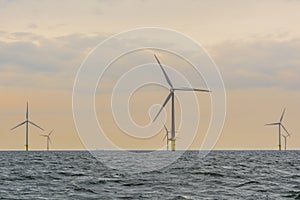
222, 170
171, 100
166, 137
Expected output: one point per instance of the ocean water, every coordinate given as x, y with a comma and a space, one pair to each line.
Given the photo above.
219, 175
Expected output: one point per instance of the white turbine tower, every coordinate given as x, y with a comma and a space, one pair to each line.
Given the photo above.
171, 96
48, 139
27, 122
279, 124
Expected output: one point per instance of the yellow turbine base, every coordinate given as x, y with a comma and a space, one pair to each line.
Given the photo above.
173, 145
26, 146
279, 146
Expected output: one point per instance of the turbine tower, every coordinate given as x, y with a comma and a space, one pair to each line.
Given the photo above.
171, 96
27, 122
48, 139
280, 125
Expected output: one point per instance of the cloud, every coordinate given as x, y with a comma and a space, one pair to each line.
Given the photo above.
259, 63
209, 21
27, 58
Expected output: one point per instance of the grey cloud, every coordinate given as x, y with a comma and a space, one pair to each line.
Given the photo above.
256, 63
259, 63
26, 58
31, 52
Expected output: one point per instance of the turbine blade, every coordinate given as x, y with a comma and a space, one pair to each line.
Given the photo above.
165, 136
18, 126
27, 111
35, 125
166, 101
164, 72
285, 129
282, 115
44, 135
50, 132
50, 140
192, 89
165, 128
272, 124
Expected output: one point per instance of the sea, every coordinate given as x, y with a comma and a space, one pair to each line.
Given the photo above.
217, 175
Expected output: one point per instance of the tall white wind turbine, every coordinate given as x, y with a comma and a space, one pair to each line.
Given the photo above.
280, 125
27, 122
171, 96
48, 139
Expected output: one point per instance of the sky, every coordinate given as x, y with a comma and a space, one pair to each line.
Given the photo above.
255, 45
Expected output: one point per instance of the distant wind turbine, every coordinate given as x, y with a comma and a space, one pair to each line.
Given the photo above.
48, 139
279, 124
167, 136
27, 122
285, 139
171, 95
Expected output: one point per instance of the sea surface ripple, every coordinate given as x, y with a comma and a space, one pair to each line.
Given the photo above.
219, 175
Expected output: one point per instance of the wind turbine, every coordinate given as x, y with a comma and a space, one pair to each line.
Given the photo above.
279, 124
167, 136
27, 122
171, 96
48, 139
285, 137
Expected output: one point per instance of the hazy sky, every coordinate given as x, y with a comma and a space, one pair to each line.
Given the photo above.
255, 44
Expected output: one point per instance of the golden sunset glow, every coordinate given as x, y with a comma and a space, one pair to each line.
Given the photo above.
255, 44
